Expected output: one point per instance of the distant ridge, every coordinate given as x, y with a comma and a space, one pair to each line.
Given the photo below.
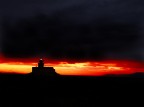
137, 74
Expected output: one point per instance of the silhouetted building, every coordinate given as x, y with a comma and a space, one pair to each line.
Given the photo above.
41, 70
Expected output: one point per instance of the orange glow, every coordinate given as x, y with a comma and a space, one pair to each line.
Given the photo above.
76, 68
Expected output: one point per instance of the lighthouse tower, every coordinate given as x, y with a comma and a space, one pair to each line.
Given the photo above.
41, 63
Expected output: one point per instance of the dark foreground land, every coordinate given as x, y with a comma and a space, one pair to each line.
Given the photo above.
71, 91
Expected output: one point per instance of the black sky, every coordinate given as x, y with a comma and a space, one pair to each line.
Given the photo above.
73, 29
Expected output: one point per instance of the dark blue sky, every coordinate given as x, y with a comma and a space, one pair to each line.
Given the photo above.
75, 29
81, 10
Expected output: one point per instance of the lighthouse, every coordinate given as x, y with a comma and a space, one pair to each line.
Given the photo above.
42, 70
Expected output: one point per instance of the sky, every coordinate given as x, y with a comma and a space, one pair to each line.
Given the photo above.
72, 30
88, 68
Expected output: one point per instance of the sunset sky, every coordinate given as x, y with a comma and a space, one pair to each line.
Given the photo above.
91, 68
76, 37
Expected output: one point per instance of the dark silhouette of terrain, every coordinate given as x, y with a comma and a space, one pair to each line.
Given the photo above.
70, 91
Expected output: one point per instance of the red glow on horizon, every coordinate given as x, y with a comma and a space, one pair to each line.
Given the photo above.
88, 68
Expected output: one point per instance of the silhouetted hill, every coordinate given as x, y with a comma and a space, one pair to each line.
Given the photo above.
71, 91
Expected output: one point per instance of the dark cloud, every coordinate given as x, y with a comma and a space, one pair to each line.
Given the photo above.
62, 39
74, 29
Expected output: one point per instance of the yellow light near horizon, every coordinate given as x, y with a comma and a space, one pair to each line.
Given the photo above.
64, 68
15, 68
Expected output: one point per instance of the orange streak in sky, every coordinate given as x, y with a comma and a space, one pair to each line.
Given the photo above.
75, 68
